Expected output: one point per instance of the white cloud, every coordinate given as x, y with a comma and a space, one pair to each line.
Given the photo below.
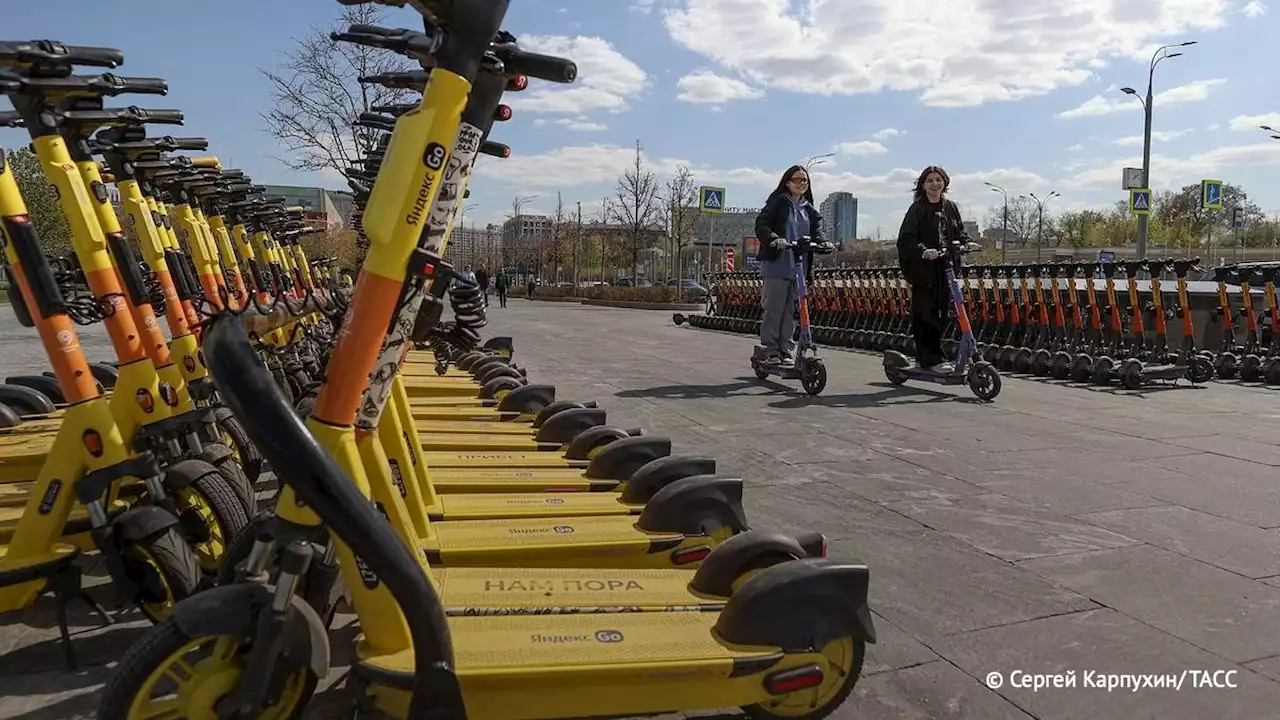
862, 147
955, 53
1119, 102
581, 124
1171, 173
581, 165
706, 88
1156, 136
887, 133
1254, 123
1075, 148
1254, 9
606, 79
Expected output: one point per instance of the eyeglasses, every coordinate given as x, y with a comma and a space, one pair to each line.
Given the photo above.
799, 180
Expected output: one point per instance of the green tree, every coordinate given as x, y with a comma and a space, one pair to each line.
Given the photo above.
41, 199
1183, 208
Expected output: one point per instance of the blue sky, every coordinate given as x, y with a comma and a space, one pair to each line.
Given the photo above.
1022, 93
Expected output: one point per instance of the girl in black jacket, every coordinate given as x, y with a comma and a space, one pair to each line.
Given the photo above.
919, 251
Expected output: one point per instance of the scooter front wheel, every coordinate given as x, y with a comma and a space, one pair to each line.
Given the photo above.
141, 686
813, 377
984, 381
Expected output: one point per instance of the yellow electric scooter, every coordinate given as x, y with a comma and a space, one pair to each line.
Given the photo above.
514, 667
58, 110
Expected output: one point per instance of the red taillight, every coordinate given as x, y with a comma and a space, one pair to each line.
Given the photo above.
789, 681
691, 555
503, 113
825, 547
518, 83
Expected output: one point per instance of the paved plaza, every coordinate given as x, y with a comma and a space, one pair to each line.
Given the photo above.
1092, 533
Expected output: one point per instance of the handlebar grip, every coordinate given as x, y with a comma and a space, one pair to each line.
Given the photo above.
190, 144
49, 51
495, 149
163, 117
93, 56
372, 30
144, 85
535, 65
206, 161
11, 119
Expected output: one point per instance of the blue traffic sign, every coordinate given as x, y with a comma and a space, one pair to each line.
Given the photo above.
711, 200
1237, 218
1139, 201
1211, 194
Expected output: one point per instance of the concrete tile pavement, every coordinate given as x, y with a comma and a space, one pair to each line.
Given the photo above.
1058, 529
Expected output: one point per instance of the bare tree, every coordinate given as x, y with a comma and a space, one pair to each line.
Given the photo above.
680, 201
316, 95
637, 209
555, 244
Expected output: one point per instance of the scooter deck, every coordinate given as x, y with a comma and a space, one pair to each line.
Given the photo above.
461, 426
575, 542
492, 459
518, 591
21, 464
442, 442
494, 506
468, 415
465, 392
587, 663
451, 402
459, 480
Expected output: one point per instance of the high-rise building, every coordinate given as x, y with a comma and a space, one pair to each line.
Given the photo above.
840, 217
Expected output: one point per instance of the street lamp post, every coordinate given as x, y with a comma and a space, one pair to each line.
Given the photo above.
1040, 219
816, 160
1161, 53
1004, 232
517, 206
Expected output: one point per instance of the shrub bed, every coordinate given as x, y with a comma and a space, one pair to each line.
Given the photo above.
625, 294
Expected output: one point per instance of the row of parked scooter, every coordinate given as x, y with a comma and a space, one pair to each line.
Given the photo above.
507, 554
1085, 322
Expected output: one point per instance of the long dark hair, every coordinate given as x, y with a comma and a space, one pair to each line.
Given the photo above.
918, 190
782, 188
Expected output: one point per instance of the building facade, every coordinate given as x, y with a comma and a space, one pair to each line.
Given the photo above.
840, 217
475, 246
323, 209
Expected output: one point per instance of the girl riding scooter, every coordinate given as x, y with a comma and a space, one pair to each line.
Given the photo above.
919, 247
788, 218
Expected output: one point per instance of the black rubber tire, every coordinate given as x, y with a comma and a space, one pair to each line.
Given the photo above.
178, 564
147, 654
227, 509
239, 483
249, 456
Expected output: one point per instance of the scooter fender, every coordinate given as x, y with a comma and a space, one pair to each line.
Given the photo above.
142, 521
214, 453
832, 592
893, 358
234, 610
742, 553
684, 505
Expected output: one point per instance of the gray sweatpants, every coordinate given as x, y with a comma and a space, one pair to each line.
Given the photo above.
778, 325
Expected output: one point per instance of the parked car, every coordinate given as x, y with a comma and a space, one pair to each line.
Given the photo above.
690, 287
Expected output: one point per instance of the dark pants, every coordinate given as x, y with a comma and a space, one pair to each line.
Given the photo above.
930, 305
502, 297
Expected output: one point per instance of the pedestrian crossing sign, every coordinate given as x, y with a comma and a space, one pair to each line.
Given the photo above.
1139, 201
1211, 194
711, 200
